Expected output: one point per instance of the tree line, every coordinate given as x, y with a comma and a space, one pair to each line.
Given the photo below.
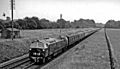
36, 23
112, 24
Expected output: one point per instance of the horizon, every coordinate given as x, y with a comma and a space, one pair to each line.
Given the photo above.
100, 11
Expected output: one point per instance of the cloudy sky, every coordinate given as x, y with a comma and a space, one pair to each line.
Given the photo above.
99, 10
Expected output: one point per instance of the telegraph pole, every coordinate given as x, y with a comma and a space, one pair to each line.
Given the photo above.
12, 7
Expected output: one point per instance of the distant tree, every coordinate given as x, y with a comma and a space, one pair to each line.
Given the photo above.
8, 18
44, 23
22, 23
36, 23
36, 19
77, 27
2, 26
16, 25
7, 24
53, 25
112, 24
83, 23
61, 22
31, 24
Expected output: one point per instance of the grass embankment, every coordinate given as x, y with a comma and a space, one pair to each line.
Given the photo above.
114, 35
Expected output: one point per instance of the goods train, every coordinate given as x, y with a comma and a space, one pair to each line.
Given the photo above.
46, 49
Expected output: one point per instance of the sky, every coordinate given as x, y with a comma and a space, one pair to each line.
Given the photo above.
99, 10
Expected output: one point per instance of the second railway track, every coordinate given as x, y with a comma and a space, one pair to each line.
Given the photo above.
111, 51
16, 64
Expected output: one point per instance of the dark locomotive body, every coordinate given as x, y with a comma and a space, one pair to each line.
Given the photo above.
43, 50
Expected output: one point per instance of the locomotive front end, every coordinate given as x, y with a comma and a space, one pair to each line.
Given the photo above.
37, 51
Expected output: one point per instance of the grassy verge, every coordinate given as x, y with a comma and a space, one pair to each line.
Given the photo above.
114, 35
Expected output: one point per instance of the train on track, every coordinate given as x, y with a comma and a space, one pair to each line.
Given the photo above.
45, 49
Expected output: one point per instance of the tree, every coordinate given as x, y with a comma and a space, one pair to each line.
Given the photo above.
36, 19
31, 24
22, 23
2, 26
61, 22
44, 23
112, 24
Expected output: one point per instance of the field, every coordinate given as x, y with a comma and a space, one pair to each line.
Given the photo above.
114, 35
92, 53
10, 49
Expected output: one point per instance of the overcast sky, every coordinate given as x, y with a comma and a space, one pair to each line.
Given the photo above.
99, 10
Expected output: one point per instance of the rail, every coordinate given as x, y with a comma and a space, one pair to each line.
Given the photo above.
110, 49
14, 62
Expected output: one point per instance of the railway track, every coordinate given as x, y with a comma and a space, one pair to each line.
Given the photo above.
25, 65
15, 64
111, 52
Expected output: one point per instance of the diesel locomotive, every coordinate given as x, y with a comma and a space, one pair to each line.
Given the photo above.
46, 49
